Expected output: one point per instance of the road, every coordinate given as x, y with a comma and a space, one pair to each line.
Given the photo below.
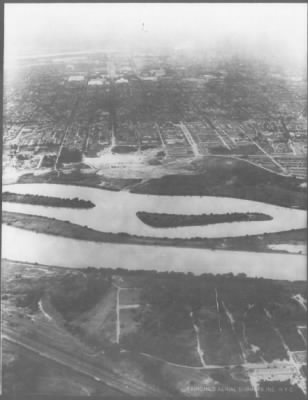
199, 350
190, 140
270, 157
118, 314
162, 139
301, 301
222, 140
68, 125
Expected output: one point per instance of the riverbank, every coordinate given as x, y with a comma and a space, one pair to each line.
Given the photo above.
78, 179
253, 243
208, 176
161, 220
46, 200
202, 185
229, 177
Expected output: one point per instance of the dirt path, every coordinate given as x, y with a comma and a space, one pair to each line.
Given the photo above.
299, 298
301, 334
199, 350
118, 324
232, 323
46, 315
217, 307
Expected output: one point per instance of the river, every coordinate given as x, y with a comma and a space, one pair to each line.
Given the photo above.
116, 212
23, 245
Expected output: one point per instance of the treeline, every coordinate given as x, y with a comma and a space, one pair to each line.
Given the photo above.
161, 220
46, 200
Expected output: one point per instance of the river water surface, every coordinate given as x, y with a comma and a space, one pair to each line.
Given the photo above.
22, 245
116, 212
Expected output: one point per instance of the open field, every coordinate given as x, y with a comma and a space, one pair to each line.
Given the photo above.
128, 324
129, 296
98, 325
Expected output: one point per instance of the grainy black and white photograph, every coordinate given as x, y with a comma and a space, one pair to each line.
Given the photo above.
154, 197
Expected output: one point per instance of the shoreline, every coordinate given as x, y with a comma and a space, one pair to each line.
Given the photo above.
137, 187
46, 201
56, 227
127, 189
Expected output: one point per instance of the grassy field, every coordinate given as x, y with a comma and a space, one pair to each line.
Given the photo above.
220, 346
98, 325
128, 324
130, 296
179, 348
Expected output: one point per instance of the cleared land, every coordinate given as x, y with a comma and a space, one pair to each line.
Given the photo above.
98, 325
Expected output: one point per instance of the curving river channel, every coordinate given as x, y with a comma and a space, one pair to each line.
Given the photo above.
116, 212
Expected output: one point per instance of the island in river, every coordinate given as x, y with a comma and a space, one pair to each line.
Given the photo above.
48, 201
165, 220
254, 243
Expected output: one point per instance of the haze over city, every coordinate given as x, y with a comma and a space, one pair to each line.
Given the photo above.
273, 32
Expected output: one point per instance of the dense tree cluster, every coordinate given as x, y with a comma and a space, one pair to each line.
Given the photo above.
46, 200
70, 155
161, 220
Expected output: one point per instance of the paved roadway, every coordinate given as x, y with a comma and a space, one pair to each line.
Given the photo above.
190, 139
284, 170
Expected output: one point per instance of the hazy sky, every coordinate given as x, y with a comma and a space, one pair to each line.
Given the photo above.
275, 30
